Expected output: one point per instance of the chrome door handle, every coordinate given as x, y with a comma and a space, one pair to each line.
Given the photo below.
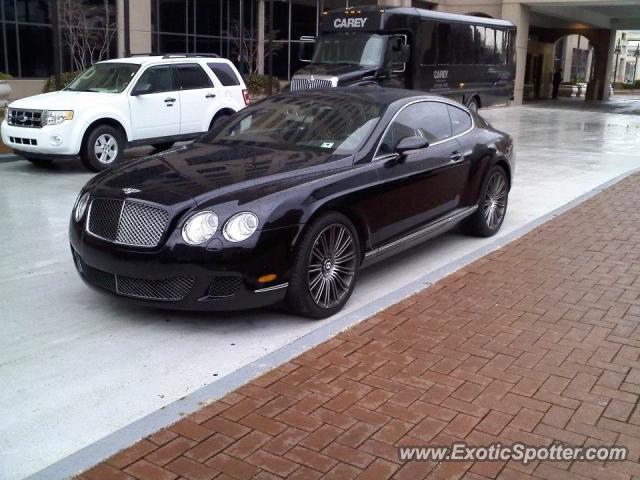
455, 157
168, 100
210, 95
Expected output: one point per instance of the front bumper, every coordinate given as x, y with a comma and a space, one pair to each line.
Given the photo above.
172, 277
40, 142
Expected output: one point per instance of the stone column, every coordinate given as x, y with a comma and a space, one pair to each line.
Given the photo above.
139, 24
518, 14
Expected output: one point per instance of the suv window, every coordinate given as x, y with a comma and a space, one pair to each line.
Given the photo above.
460, 120
192, 76
429, 120
160, 78
225, 74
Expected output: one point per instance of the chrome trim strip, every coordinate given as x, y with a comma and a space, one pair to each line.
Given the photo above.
269, 289
464, 109
429, 228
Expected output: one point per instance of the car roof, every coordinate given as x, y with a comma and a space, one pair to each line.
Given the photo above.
144, 59
373, 94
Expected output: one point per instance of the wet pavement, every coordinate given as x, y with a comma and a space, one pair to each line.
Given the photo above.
77, 366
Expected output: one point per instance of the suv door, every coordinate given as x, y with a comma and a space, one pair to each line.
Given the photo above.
425, 184
154, 104
198, 99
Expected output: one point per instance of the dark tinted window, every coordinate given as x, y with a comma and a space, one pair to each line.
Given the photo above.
160, 79
225, 74
429, 32
192, 76
445, 44
460, 120
429, 120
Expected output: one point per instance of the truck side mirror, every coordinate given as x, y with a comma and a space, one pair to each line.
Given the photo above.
306, 48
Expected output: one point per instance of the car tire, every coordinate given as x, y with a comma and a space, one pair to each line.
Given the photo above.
161, 147
492, 207
39, 162
103, 148
217, 119
474, 104
325, 267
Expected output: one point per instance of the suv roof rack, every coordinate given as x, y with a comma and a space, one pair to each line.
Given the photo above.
190, 55
146, 54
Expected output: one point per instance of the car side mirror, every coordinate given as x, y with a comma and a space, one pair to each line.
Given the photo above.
142, 89
411, 143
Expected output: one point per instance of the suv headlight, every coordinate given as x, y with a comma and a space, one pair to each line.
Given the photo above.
81, 206
56, 117
200, 228
240, 227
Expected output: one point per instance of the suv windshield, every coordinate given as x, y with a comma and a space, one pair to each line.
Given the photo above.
363, 49
104, 77
331, 125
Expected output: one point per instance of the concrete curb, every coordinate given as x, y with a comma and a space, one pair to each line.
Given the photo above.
120, 439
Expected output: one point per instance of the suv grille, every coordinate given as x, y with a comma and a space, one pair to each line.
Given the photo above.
25, 118
127, 222
306, 83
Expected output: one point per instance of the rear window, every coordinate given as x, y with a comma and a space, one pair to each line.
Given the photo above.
460, 120
225, 74
192, 76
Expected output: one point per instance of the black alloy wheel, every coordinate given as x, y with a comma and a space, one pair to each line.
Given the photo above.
492, 208
325, 267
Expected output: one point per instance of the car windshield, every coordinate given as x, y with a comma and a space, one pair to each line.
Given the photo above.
104, 77
328, 124
363, 49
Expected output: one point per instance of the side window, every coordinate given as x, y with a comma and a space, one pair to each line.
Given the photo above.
460, 120
429, 33
429, 120
225, 74
445, 47
160, 79
192, 76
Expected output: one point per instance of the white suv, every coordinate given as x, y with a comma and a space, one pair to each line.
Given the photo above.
150, 100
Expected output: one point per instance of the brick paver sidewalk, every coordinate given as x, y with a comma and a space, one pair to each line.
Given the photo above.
536, 342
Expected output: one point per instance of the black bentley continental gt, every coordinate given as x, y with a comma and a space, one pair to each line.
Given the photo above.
288, 199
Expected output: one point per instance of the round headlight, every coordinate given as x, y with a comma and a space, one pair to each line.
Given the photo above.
81, 206
200, 228
240, 227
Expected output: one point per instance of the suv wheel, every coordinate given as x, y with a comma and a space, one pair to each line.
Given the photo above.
103, 148
325, 267
161, 147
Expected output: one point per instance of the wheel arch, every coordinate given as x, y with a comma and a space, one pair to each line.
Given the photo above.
112, 122
224, 111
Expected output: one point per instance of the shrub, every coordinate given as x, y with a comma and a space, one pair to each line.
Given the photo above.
5, 76
65, 79
259, 84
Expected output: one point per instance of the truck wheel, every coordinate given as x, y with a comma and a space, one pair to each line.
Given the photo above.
161, 147
474, 105
39, 162
103, 148
325, 267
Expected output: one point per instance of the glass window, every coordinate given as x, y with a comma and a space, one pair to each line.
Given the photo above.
191, 77
460, 120
445, 47
303, 18
35, 51
172, 15
429, 33
109, 77
160, 78
327, 125
208, 17
462, 48
365, 49
225, 74
32, 11
429, 120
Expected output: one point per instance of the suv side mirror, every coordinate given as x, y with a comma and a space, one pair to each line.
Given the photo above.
142, 89
411, 143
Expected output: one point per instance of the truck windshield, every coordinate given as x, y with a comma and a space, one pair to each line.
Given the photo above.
104, 77
351, 48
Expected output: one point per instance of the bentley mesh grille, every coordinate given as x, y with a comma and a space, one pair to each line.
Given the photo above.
168, 289
127, 222
224, 286
309, 84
